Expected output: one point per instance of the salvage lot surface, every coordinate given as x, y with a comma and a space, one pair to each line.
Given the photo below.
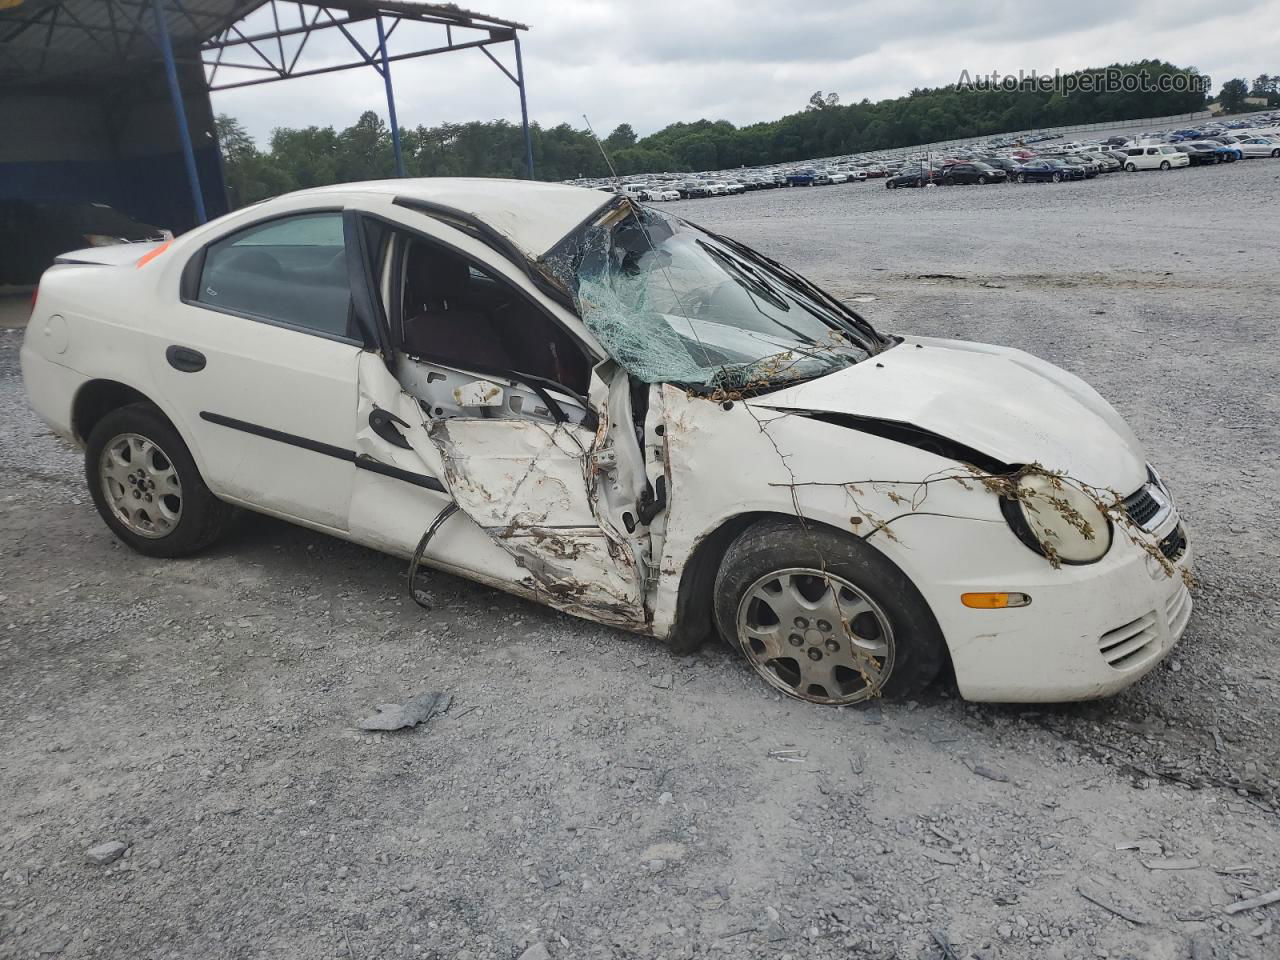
590, 792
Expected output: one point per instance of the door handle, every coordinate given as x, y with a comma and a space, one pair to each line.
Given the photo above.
185, 359
383, 423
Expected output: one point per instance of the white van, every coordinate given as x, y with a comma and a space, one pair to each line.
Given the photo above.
1161, 157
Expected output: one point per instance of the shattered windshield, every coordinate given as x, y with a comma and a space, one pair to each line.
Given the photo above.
673, 303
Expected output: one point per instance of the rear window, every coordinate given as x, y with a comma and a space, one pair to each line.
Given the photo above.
291, 271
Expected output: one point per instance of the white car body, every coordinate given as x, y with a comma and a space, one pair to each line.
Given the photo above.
1253, 147
1154, 157
281, 420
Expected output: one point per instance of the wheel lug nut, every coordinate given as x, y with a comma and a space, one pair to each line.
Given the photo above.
832, 646
815, 653
137, 495
147, 498
801, 622
824, 626
795, 640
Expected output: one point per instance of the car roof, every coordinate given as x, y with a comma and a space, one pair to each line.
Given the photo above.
534, 215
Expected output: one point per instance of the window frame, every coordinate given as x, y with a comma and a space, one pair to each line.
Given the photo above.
193, 274
385, 320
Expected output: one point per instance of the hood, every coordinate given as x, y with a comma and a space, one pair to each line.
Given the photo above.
1001, 402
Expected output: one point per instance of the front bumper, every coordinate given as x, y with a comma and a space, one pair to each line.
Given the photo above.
1090, 631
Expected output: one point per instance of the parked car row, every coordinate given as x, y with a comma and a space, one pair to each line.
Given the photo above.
1044, 157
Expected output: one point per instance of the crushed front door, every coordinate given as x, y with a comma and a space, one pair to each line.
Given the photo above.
534, 487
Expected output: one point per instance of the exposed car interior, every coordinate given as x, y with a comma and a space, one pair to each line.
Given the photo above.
454, 312
453, 321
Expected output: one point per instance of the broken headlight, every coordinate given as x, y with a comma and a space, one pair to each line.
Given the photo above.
1057, 519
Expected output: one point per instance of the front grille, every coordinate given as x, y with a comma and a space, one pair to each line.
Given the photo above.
1175, 544
1141, 506
1131, 645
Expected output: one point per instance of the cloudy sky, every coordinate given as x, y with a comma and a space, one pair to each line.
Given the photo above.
654, 62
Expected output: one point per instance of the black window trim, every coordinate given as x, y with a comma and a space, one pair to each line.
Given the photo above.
193, 271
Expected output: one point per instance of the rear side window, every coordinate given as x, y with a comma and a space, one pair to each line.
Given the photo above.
291, 271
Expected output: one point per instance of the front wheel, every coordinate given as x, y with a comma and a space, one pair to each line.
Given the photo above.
1275, 153
824, 617
1022, 178
1130, 168
146, 486
890, 184
1164, 164
982, 180
1057, 178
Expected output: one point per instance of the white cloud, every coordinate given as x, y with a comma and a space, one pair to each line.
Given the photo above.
653, 63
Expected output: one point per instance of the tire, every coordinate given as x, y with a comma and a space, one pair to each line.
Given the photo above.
890, 185
1057, 178
172, 524
1022, 178
817, 568
1130, 168
1275, 153
1164, 165
982, 181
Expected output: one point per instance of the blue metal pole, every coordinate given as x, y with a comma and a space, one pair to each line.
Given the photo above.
524, 106
179, 111
391, 97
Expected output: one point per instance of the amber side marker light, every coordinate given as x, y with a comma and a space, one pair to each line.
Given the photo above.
994, 601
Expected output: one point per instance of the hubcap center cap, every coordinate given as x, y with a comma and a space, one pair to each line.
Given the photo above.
813, 636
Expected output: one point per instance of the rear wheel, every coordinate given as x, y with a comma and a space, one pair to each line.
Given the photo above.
146, 486
824, 617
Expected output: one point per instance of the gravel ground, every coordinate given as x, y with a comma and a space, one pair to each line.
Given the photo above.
590, 795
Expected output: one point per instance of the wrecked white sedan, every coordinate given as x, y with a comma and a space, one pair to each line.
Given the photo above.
565, 395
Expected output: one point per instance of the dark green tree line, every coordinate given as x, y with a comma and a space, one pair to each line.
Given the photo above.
311, 156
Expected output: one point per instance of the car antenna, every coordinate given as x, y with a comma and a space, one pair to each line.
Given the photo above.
609, 163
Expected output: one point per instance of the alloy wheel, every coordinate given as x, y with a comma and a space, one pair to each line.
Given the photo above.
141, 485
815, 636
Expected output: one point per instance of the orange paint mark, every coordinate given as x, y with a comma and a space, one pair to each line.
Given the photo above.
147, 258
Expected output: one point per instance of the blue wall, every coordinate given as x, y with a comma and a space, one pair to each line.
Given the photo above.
150, 188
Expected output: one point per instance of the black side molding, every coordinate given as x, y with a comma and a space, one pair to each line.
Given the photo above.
362, 461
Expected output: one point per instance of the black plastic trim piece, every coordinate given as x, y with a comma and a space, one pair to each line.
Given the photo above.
362, 284
910, 435
363, 461
366, 462
185, 359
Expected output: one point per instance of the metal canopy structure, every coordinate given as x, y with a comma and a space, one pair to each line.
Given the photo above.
51, 42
